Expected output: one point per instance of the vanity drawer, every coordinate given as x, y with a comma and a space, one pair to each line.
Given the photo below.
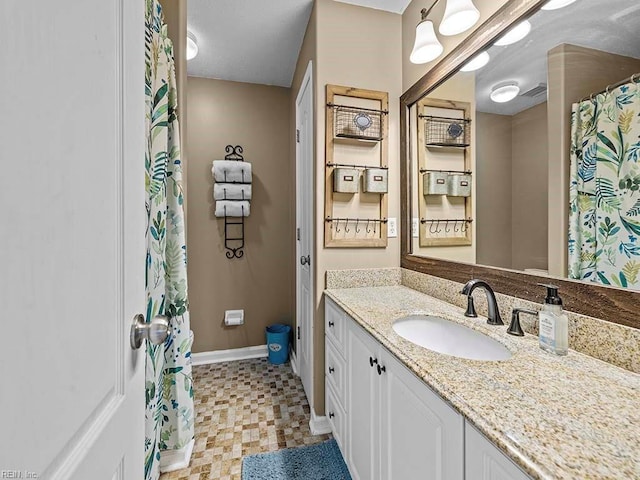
337, 417
334, 324
335, 372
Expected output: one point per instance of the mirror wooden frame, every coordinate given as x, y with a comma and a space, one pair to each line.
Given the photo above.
608, 303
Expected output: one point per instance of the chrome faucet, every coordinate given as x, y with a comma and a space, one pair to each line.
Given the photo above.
493, 318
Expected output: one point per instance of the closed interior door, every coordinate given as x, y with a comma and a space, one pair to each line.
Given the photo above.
304, 231
72, 239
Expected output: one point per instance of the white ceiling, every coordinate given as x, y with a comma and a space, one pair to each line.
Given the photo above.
255, 41
610, 25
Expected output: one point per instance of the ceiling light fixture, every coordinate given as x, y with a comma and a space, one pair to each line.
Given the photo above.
514, 35
427, 47
476, 62
459, 16
192, 46
505, 93
556, 4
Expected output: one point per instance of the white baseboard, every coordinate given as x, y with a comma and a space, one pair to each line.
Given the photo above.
217, 356
171, 460
319, 425
294, 362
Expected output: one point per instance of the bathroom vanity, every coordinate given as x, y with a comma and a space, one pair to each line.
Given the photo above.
401, 411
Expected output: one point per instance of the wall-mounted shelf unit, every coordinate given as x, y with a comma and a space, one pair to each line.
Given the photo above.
356, 181
445, 166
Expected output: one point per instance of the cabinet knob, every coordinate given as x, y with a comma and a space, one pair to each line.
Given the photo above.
331, 369
331, 415
381, 369
331, 324
372, 361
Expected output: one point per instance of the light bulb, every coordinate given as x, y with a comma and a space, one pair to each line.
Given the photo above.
555, 4
514, 35
459, 16
476, 62
505, 93
426, 47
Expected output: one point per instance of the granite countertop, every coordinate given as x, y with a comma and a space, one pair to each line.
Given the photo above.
556, 417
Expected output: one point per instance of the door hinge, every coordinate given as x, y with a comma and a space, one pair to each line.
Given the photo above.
298, 333
297, 136
298, 234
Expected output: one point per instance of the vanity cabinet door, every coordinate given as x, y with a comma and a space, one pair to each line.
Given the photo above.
362, 404
421, 436
483, 461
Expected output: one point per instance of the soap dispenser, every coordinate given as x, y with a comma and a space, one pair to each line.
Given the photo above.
554, 324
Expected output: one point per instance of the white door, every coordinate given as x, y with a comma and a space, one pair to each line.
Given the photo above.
304, 232
72, 238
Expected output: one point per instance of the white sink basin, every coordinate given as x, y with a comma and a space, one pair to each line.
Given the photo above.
450, 338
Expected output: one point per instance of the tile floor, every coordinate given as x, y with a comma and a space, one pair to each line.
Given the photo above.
242, 408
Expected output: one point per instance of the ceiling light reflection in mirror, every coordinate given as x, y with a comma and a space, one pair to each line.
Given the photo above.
476, 63
514, 35
505, 93
556, 4
192, 46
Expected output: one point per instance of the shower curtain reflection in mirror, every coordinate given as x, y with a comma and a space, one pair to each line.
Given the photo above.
604, 193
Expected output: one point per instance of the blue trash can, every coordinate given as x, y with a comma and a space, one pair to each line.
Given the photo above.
278, 343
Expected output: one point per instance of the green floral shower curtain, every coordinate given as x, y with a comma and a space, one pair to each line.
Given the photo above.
168, 387
604, 216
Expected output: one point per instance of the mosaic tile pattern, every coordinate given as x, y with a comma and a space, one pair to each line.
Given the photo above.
242, 408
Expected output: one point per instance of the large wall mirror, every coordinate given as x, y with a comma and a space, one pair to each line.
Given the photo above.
521, 156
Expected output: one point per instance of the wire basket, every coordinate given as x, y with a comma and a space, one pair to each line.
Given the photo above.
358, 123
447, 132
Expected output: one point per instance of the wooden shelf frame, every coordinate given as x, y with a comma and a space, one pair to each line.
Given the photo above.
330, 140
424, 239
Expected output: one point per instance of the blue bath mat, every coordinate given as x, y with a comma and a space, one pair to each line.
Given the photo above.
314, 462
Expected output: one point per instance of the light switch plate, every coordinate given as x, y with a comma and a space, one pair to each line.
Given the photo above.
392, 228
415, 227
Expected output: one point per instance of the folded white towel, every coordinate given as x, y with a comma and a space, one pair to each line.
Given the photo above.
231, 208
231, 191
230, 171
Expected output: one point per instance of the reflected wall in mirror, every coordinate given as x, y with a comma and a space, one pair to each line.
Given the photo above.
548, 194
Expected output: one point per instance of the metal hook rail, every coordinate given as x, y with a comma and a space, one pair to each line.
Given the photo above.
358, 221
434, 224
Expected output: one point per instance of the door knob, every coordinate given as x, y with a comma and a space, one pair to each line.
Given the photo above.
305, 260
156, 331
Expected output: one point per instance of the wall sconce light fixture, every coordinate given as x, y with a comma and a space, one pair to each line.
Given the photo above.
459, 16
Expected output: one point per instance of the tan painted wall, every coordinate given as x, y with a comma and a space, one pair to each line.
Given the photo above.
258, 118
175, 16
530, 189
411, 73
493, 191
574, 73
357, 47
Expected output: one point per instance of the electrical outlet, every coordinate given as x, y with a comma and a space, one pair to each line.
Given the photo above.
415, 227
392, 228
